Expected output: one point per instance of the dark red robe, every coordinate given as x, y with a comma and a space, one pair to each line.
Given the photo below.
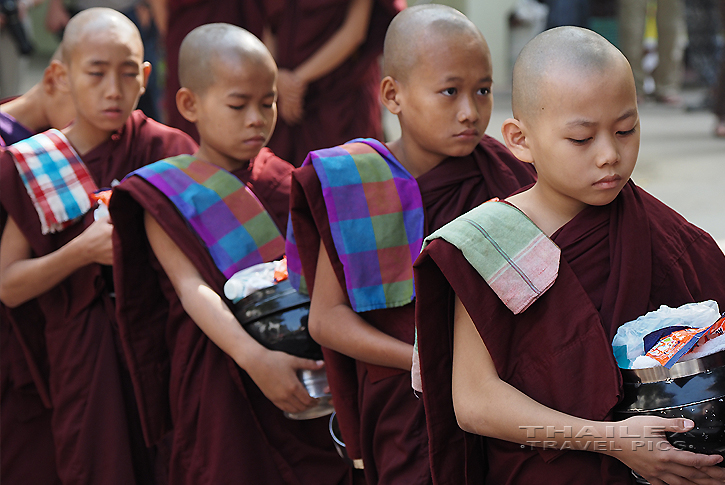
27, 454
381, 420
224, 429
92, 419
618, 262
341, 105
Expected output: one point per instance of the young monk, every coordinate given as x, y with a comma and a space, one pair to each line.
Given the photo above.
26, 441
360, 212
509, 345
51, 248
183, 226
45, 105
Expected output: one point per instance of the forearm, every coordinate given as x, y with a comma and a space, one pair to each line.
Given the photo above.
341, 329
340, 46
214, 318
29, 278
500, 411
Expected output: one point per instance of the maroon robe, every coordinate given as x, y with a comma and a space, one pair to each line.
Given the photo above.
341, 105
618, 262
380, 418
224, 429
92, 419
27, 454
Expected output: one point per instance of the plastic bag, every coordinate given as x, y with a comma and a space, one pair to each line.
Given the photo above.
247, 281
628, 343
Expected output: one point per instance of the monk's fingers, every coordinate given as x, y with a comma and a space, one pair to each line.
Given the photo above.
689, 459
715, 472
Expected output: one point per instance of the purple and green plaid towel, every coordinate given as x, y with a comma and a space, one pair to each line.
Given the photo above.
232, 223
376, 217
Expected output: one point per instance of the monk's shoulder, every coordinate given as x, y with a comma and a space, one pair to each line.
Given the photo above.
156, 139
671, 234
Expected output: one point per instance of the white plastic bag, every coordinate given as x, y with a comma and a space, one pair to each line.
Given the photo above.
249, 280
628, 343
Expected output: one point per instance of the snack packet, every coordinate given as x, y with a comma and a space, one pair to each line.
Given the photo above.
670, 348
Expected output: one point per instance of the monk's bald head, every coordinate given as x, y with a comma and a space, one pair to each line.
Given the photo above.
557, 53
212, 46
107, 23
414, 27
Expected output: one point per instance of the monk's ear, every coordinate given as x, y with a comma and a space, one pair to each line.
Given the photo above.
186, 103
61, 75
146, 68
390, 94
514, 134
51, 77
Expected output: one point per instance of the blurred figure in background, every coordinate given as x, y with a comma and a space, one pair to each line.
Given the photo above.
671, 41
328, 57
720, 89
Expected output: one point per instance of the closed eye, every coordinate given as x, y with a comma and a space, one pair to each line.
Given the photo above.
628, 132
237, 107
579, 142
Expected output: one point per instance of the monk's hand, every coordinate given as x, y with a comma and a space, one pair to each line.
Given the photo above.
291, 97
641, 445
276, 375
97, 242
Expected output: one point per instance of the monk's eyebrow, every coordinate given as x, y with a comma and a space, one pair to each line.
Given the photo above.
451, 79
247, 96
100, 63
628, 114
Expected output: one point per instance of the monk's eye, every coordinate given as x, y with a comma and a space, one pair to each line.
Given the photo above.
240, 107
449, 91
579, 142
484, 91
628, 132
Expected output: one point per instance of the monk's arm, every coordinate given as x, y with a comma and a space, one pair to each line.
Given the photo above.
273, 372
488, 406
23, 277
335, 325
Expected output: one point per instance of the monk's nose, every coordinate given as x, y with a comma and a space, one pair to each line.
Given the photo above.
468, 110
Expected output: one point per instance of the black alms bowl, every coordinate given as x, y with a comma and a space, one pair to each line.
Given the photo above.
277, 317
693, 389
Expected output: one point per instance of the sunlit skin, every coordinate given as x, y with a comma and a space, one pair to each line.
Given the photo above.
106, 75
584, 144
444, 104
236, 115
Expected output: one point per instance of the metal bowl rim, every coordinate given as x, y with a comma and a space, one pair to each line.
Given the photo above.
680, 369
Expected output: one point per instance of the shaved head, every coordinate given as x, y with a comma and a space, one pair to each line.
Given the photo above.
563, 51
103, 21
413, 27
210, 46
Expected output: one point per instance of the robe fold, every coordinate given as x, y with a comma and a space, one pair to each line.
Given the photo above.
224, 430
93, 416
618, 262
344, 103
381, 420
26, 441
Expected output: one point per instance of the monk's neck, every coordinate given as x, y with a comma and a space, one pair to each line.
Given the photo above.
84, 137
548, 213
28, 110
417, 162
220, 160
